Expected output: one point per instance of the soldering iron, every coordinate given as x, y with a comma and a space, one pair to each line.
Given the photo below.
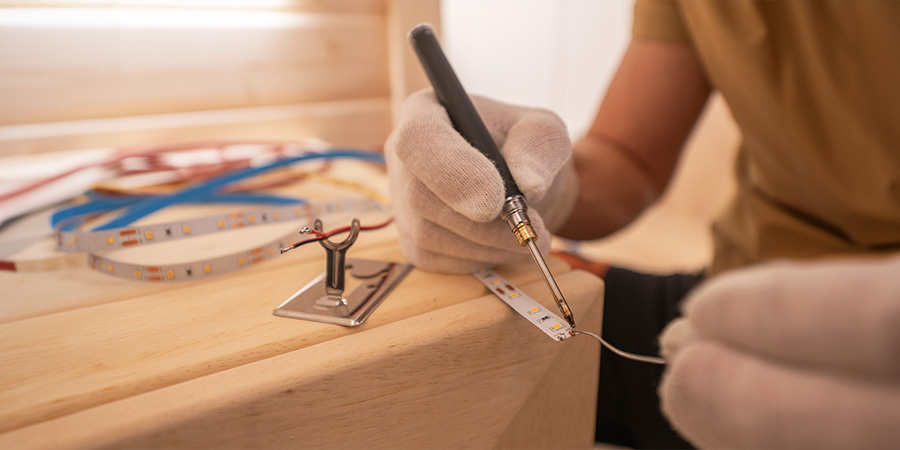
468, 123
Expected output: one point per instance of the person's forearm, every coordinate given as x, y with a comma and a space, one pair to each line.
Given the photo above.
614, 189
628, 156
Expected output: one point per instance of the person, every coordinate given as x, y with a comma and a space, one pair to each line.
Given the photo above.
790, 338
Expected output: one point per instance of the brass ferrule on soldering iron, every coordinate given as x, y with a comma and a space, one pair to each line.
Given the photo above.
515, 214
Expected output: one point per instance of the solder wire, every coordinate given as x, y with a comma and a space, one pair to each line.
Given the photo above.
622, 353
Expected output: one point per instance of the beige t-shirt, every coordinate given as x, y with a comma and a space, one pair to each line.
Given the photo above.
814, 86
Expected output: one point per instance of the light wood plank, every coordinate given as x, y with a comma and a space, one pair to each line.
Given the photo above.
164, 61
61, 363
406, 74
454, 377
354, 123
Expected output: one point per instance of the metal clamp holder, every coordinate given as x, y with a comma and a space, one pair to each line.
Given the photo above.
323, 299
335, 262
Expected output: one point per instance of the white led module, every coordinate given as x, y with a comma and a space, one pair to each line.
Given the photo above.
548, 322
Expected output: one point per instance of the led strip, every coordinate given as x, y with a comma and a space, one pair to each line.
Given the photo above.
527, 307
189, 270
131, 237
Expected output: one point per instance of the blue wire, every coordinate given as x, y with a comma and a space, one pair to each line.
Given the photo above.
208, 188
249, 197
97, 205
68, 219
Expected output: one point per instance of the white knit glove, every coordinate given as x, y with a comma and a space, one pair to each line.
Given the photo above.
789, 356
447, 196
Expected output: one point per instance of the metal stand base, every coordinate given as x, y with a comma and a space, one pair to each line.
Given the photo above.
312, 302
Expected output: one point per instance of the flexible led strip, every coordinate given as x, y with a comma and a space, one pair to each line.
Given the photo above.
545, 320
527, 307
143, 235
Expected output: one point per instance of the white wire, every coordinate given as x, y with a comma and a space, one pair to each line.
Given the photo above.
624, 354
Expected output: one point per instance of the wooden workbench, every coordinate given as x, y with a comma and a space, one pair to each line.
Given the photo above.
88, 361
92, 361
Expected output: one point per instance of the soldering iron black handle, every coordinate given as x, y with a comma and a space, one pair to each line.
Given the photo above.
459, 107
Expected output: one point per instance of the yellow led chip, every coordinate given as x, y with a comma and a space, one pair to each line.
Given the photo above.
513, 294
137, 273
149, 235
556, 327
110, 240
170, 274
220, 223
207, 269
534, 310
186, 229
242, 261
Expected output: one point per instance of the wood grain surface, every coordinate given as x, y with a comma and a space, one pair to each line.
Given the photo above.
440, 364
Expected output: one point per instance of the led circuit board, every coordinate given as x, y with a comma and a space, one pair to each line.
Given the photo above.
541, 317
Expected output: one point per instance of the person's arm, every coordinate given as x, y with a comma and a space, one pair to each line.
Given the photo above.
627, 157
447, 197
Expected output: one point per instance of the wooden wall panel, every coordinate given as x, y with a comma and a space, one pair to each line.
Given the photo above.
95, 73
228, 59
354, 123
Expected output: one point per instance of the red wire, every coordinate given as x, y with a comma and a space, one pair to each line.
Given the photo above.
325, 235
362, 228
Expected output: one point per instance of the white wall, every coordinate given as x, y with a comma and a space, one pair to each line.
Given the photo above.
555, 54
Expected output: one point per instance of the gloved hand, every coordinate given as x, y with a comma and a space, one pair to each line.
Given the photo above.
446, 196
788, 356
